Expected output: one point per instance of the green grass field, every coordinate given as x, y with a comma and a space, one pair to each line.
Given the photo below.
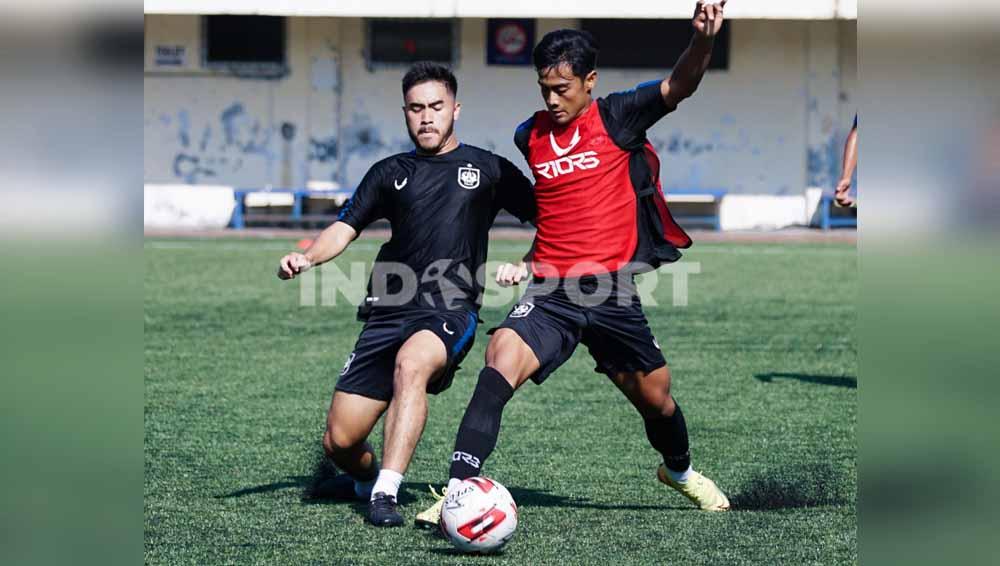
238, 379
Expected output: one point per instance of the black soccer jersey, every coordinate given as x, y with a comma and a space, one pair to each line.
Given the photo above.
440, 209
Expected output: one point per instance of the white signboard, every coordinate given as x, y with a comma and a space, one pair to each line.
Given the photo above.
170, 56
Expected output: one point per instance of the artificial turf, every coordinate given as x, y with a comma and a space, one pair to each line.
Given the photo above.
238, 378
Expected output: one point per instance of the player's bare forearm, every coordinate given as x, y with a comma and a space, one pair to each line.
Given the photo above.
688, 71
330, 243
691, 66
850, 156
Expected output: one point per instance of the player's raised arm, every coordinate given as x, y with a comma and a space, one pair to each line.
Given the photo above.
329, 244
693, 63
850, 163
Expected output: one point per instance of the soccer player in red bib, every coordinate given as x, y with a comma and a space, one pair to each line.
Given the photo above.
601, 218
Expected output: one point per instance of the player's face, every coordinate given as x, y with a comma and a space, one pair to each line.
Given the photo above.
431, 111
565, 94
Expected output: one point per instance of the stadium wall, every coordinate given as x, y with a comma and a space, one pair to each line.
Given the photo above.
772, 124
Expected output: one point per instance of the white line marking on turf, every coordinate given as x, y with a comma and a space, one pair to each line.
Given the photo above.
250, 246
739, 249
750, 249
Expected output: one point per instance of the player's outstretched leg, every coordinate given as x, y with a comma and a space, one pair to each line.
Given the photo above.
421, 358
509, 363
348, 423
667, 433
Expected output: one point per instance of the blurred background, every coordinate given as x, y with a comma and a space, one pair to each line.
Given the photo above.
83, 132
285, 107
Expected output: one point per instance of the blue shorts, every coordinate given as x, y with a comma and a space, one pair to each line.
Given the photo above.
554, 316
369, 369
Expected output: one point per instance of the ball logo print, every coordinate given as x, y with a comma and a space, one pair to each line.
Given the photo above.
468, 177
483, 524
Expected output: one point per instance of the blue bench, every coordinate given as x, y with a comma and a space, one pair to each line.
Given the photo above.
711, 197
239, 219
827, 220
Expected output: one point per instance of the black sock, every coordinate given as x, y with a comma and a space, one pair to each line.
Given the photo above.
477, 435
669, 436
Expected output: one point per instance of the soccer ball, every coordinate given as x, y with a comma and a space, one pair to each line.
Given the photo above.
479, 515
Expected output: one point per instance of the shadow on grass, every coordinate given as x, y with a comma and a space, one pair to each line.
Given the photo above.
317, 489
455, 553
847, 381
541, 498
288, 483
796, 487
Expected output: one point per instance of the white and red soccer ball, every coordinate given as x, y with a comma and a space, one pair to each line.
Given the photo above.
479, 515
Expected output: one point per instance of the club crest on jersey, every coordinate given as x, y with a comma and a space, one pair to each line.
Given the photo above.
468, 177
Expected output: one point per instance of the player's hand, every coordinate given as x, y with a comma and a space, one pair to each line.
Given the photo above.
510, 274
293, 264
842, 194
708, 17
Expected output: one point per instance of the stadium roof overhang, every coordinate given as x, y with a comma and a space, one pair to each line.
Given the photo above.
772, 9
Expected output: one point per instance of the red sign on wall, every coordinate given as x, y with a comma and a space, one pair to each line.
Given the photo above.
510, 41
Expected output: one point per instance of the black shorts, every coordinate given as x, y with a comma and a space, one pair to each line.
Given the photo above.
554, 316
369, 369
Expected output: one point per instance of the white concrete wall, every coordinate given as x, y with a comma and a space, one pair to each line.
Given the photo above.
789, 90
772, 9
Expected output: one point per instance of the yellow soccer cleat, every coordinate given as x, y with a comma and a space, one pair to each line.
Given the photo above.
430, 517
700, 490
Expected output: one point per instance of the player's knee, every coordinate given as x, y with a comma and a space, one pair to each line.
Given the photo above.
410, 374
668, 406
657, 402
337, 440
650, 393
503, 353
327, 443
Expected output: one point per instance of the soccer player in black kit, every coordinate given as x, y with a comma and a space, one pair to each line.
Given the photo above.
423, 296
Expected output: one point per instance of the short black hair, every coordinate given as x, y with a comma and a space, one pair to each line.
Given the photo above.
424, 71
576, 48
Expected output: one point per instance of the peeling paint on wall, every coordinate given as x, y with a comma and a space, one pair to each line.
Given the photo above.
323, 150
750, 129
243, 137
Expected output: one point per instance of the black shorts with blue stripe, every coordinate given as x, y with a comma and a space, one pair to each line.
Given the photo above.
368, 370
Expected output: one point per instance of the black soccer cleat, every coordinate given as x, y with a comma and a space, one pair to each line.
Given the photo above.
382, 511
